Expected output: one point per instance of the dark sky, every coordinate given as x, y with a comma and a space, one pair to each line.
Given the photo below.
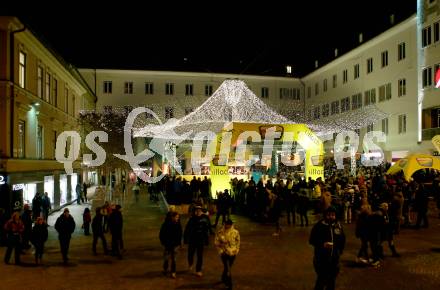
222, 37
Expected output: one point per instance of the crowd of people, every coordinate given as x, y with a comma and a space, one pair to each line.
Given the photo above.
196, 237
29, 226
379, 205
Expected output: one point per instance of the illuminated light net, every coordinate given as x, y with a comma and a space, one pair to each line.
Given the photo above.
233, 101
347, 121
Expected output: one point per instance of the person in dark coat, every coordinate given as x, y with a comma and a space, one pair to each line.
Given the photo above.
421, 204
387, 231
38, 238
363, 232
46, 206
328, 239
196, 235
14, 229
36, 206
98, 231
87, 218
170, 237
84, 191
65, 226
303, 207
26, 218
115, 224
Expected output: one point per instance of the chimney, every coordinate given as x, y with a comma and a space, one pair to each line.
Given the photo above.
361, 37
336, 52
392, 19
316, 63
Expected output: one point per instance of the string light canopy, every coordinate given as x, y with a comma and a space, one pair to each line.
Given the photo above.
347, 121
233, 101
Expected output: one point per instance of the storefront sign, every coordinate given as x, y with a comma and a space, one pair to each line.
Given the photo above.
2, 180
18, 186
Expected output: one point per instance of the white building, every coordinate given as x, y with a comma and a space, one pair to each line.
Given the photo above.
175, 94
394, 71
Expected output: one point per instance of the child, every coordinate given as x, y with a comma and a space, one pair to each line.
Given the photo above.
87, 218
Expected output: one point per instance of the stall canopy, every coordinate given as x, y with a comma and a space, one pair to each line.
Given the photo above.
414, 162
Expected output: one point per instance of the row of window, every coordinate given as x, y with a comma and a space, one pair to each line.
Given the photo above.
356, 100
149, 88
401, 54
47, 84
285, 93
168, 111
431, 34
21, 146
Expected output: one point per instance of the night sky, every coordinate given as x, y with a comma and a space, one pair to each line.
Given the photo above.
220, 37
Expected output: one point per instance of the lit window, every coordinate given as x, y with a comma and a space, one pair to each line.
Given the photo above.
22, 70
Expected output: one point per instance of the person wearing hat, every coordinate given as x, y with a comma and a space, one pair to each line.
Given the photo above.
227, 241
65, 226
196, 235
328, 239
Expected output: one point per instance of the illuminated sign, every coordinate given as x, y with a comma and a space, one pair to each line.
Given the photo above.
437, 78
2, 180
18, 186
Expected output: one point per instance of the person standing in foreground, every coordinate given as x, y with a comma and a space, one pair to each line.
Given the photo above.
65, 226
328, 239
196, 235
227, 241
98, 232
38, 238
14, 229
115, 223
170, 237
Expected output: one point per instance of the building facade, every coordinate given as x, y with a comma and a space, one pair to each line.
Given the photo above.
176, 94
40, 97
393, 71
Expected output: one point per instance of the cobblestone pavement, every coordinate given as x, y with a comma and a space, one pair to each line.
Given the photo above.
264, 262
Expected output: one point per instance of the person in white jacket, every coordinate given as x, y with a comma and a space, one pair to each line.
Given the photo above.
227, 241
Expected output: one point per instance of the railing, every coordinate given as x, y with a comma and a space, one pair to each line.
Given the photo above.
427, 134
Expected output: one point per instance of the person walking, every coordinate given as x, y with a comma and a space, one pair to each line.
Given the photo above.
196, 235
65, 226
26, 218
46, 206
36, 206
87, 218
38, 238
170, 236
84, 191
136, 190
14, 229
227, 242
79, 197
328, 239
115, 223
98, 231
